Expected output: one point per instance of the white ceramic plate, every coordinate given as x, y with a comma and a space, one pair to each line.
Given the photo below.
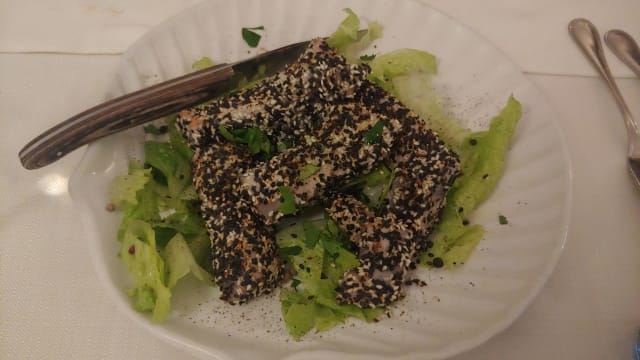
458, 309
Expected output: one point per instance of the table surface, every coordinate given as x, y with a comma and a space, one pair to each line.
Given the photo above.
60, 59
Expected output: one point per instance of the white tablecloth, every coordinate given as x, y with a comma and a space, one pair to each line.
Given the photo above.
52, 307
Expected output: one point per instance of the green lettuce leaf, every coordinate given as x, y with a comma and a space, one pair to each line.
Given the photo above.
162, 233
181, 262
125, 188
398, 63
416, 92
320, 263
483, 158
347, 31
346, 38
140, 255
375, 185
168, 166
203, 63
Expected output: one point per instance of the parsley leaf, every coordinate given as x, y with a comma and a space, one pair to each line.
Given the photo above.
308, 170
227, 134
288, 205
282, 146
155, 130
374, 134
289, 250
503, 220
255, 139
251, 37
311, 234
295, 282
366, 58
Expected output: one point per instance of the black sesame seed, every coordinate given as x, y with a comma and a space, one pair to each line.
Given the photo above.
437, 262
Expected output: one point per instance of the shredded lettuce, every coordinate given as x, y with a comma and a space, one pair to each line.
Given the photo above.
384, 68
482, 157
125, 188
320, 264
347, 31
181, 262
417, 93
374, 186
162, 234
140, 255
347, 40
203, 63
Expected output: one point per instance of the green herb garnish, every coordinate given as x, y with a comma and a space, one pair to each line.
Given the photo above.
295, 282
374, 134
311, 234
289, 250
155, 130
288, 205
366, 58
503, 220
251, 37
308, 170
282, 146
255, 139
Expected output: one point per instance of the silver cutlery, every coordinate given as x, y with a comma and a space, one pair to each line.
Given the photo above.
587, 37
151, 103
625, 48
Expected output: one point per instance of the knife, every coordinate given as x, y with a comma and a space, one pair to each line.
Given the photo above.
151, 103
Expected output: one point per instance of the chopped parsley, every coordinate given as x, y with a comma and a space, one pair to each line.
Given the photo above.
374, 134
288, 205
311, 234
289, 250
503, 220
251, 37
155, 130
295, 282
255, 139
308, 170
366, 58
282, 146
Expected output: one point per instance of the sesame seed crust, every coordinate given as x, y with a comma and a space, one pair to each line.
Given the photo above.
325, 108
279, 105
245, 264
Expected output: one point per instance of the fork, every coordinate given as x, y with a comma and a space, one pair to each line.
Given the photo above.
587, 37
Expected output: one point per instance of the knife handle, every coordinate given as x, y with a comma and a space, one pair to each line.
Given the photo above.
124, 112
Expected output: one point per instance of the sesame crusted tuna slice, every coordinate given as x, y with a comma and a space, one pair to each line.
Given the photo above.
245, 264
390, 241
424, 171
279, 105
385, 250
337, 153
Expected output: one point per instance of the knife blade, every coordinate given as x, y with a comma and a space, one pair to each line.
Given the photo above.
151, 103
